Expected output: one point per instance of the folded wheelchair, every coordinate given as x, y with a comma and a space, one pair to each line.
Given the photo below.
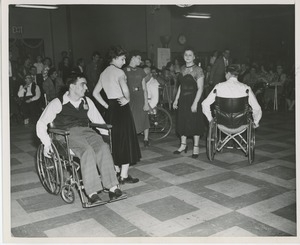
61, 173
232, 122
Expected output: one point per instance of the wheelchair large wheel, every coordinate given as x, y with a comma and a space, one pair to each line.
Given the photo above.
68, 194
49, 170
251, 143
160, 124
211, 141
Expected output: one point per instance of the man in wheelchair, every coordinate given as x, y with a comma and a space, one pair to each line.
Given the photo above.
236, 112
232, 88
74, 112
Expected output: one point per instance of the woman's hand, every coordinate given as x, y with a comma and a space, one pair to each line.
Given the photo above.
194, 107
123, 101
28, 101
175, 104
146, 107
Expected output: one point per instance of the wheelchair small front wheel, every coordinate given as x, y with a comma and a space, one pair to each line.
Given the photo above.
67, 194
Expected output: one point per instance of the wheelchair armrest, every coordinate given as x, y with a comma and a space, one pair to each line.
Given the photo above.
59, 131
104, 126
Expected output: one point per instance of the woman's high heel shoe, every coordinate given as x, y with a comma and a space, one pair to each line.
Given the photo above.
195, 155
182, 149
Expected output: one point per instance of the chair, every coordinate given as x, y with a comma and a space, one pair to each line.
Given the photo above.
61, 174
232, 118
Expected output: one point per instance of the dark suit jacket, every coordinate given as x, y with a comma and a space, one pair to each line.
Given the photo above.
217, 74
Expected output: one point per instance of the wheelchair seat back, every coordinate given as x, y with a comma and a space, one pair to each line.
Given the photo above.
232, 112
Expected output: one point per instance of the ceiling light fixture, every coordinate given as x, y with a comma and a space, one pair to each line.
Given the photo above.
36, 6
198, 15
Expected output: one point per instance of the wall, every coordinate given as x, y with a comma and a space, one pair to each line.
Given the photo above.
82, 29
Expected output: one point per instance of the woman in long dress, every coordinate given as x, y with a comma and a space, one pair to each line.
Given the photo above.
138, 95
125, 146
190, 120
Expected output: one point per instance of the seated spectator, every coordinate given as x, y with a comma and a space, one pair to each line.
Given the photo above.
53, 85
29, 95
73, 111
276, 84
251, 78
47, 65
244, 72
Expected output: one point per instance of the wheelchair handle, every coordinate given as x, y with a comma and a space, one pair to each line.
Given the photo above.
98, 125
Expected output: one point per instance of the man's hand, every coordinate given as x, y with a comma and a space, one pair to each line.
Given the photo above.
47, 151
28, 101
123, 101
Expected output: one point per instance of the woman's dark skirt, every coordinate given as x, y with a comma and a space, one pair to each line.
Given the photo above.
125, 145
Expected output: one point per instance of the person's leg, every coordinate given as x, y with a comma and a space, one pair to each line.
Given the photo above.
196, 146
86, 153
183, 146
104, 159
146, 137
125, 177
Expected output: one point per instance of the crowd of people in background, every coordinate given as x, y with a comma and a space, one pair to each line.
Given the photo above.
28, 100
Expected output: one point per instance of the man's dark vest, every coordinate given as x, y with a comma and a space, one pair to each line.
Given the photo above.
33, 87
70, 116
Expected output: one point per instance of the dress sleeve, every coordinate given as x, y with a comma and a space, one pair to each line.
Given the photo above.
198, 73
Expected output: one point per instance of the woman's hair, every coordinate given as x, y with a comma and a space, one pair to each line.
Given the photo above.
134, 53
114, 52
189, 49
234, 69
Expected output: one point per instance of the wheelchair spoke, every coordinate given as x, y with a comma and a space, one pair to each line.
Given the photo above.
160, 124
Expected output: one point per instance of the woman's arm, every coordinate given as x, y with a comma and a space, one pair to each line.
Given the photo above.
97, 95
175, 103
146, 105
198, 94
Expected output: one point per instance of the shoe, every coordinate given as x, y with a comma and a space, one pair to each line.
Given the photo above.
195, 155
115, 195
179, 151
146, 143
95, 198
129, 180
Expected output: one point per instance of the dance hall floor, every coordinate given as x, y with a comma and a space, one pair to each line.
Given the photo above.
177, 196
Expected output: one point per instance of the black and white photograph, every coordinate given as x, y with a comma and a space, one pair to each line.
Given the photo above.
149, 121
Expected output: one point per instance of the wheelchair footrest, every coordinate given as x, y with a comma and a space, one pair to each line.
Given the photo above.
124, 196
90, 205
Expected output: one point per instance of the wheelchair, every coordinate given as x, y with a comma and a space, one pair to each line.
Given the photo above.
61, 174
160, 120
232, 118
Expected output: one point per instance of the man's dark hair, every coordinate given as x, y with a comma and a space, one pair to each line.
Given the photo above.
234, 69
73, 77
